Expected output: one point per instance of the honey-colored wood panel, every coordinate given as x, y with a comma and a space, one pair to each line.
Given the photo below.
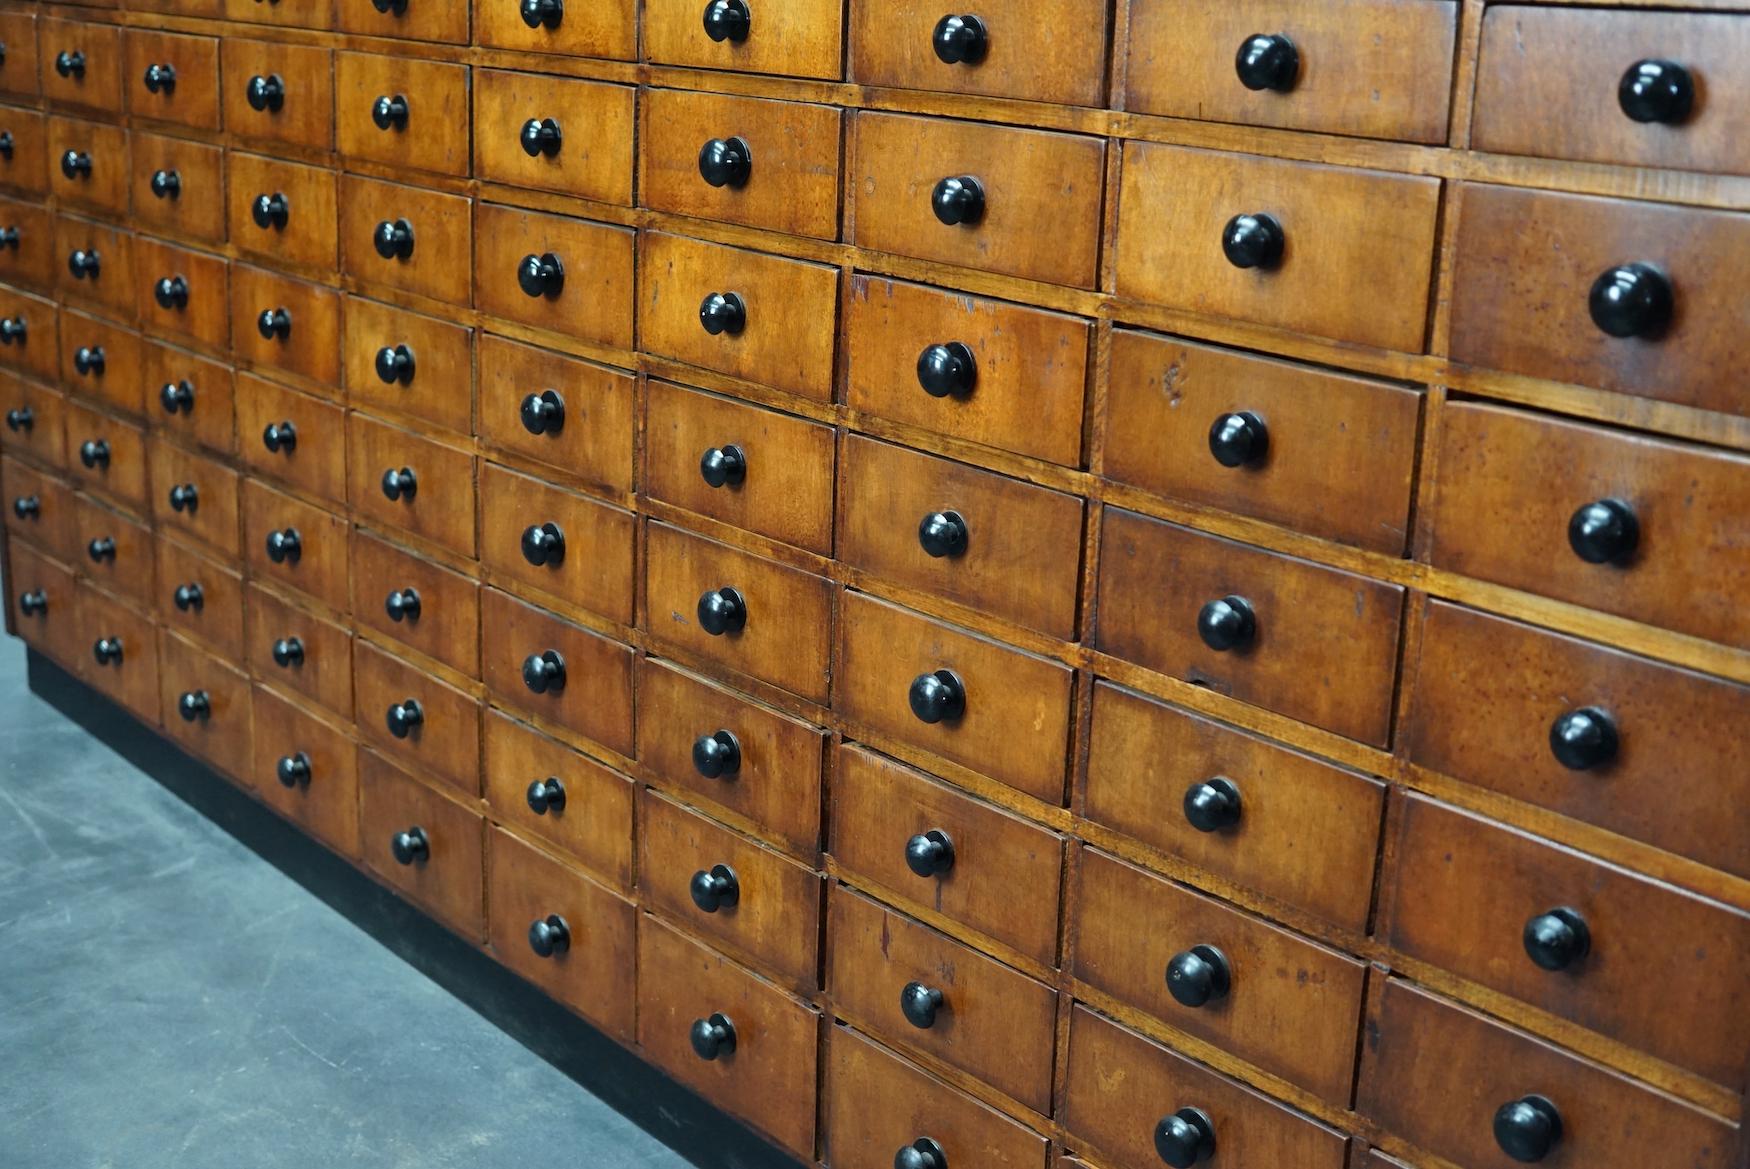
197, 495
285, 324
172, 78
89, 164
587, 295
398, 478
30, 333
307, 770
440, 724
591, 156
29, 256
18, 64
101, 361
39, 509
585, 809
607, 29
200, 597
42, 600
292, 436
445, 866
184, 291
292, 647
587, 682
427, 234
113, 549
97, 265
279, 93
107, 454
189, 396
800, 39
590, 562
584, 429
1050, 52
36, 420
441, 617
206, 705
120, 655
82, 63
429, 363
178, 186
318, 14
402, 112
23, 150
285, 212
292, 542
420, 20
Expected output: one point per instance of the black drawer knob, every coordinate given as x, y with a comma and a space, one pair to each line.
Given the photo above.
402, 605
76, 164
21, 419
543, 13
1656, 91
1584, 739
960, 40
185, 497
393, 239
94, 453
1199, 976
1267, 61
713, 1037
723, 466
274, 324
542, 137
9, 238
943, 533
544, 673
958, 199
546, 795
1227, 624
13, 331
728, 20
1528, 1129
542, 275
285, 546
1212, 805
922, 1153
1253, 241
70, 63
400, 483
723, 611
270, 211
395, 365
920, 1004
405, 717
543, 413
717, 888
6, 145
195, 706
726, 162
89, 360
1239, 439
161, 78
171, 292
27, 507
166, 184
410, 846
1557, 939
188, 598
1604, 531
266, 94
1632, 300
544, 545
293, 770
1185, 1138
33, 603
937, 697
930, 853
549, 936
280, 437
390, 112
723, 312
84, 264
288, 652
101, 549
717, 755
390, 7
107, 651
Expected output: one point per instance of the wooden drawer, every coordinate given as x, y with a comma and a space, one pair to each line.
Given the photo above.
36, 420
803, 39
1040, 196
425, 20
292, 647
445, 866
206, 705
402, 112
429, 363
1177, 207
768, 1074
306, 768
592, 301
1526, 263
771, 622
89, 164
1511, 483
196, 495
593, 565
1677, 756
1249, 434
172, 78
584, 429
292, 84
879, 1104
128, 669
1051, 52
315, 459
441, 723
189, 396
591, 969
30, 333
178, 186
183, 291
285, 212
978, 539
986, 1019
395, 477
39, 509
1314, 643
107, 454
788, 176
30, 258
1288, 1005
317, 14
1546, 78
1292, 827
585, 809
309, 542
773, 472
1436, 1073
41, 599
991, 854
405, 237
592, 694
581, 30
178, 7
97, 265
18, 64
1014, 726
285, 324
591, 157
441, 618
81, 63
766, 765
100, 362
1122, 1087
24, 150
758, 338
1465, 895
200, 597
113, 549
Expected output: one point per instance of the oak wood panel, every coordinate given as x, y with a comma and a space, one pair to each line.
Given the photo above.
434, 136
1048, 52
320, 566
131, 678
593, 159
39, 509
30, 259
421, 22
100, 361
37, 351
315, 461
196, 207
217, 617
207, 418
327, 802
803, 38
220, 731
311, 347
323, 671
596, 571
596, 303
440, 506
112, 285
25, 167
311, 198
449, 882
445, 745
51, 627
36, 420
104, 187
192, 98
594, 824
446, 625
214, 516
594, 440
202, 311
122, 475
596, 697
305, 117
18, 65
98, 86
436, 264
126, 568
606, 29
317, 14
440, 387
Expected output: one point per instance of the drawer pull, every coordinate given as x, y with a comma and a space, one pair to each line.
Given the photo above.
395, 364
184, 497
728, 20
1267, 61
9, 238
177, 397
943, 533
70, 64
960, 40
405, 717
89, 360
930, 854
544, 673
549, 936
107, 651
723, 312
1557, 939
713, 1037
274, 324
84, 263
1199, 976
294, 770
27, 507
717, 755
937, 697
76, 164
726, 162
718, 888
410, 846
6, 145
94, 453
101, 549
400, 484
543, 413
285, 546
723, 466
390, 7
543, 13
922, 1153
402, 605
189, 597
271, 211
280, 437
161, 79
546, 795
34, 603
288, 652
919, 1004
542, 136
1656, 91
544, 544
1631, 300
1213, 805
1528, 1129
542, 275
1239, 439
1253, 241
1227, 624
958, 199
1584, 739
393, 240
1185, 1138
723, 611
22, 418
171, 292
1604, 531
266, 94
195, 706
13, 329
390, 113
166, 184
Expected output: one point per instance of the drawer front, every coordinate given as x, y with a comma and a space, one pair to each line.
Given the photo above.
743, 611
767, 472
294, 648
279, 93
100, 362
777, 166
172, 78
42, 603
196, 495
285, 324
404, 237
97, 265
445, 875
82, 63
586, 685
89, 164
183, 291
36, 420
25, 167
978, 539
18, 69
315, 458
439, 725
767, 765
1050, 52
802, 39
1294, 828
402, 112
992, 853
128, 671
1676, 761
441, 617
1121, 1086
590, 562
591, 970
39, 509
285, 212
584, 809
116, 550
1014, 720
206, 705
586, 150
1547, 75
397, 478
428, 363
757, 337
317, 14
306, 768
417, 22
984, 1018
1281, 429
1040, 205
199, 597
200, 390
585, 429
35, 347
310, 544
178, 186
1325, 277
1288, 629
1435, 1073
1526, 263
110, 455
582, 30
763, 905
30, 259
586, 287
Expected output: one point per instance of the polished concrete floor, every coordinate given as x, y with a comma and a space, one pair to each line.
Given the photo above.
169, 1000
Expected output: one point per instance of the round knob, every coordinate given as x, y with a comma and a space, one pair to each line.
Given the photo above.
89, 360
94, 453
549, 936
1583, 739
13, 330
280, 436
717, 755
274, 324
543, 413
1631, 300
22, 418
543, 13
390, 113
1253, 241
1557, 939
288, 652
713, 1037
958, 200
542, 275
541, 137
544, 544
6, 145
544, 672
1604, 532
270, 211
70, 64
1198, 976
410, 846
101, 549
400, 483
943, 533
1528, 1129
402, 605
1227, 624
546, 795
726, 162
728, 20
930, 854
189, 597
723, 466
723, 312
27, 507
716, 889
1239, 439
107, 651
266, 94
393, 240
293, 770
76, 164
404, 717
937, 697
9, 238
171, 292
395, 365
33, 603
1656, 91
723, 611
1185, 1138
919, 1004
1212, 805
184, 497
922, 1153
390, 7
960, 40
1267, 62
161, 79
194, 705
285, 545
166, 184
84, 264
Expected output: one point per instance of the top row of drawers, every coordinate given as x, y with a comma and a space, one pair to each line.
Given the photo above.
1644, 88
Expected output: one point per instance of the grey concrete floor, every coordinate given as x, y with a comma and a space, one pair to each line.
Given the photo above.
168, 1000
